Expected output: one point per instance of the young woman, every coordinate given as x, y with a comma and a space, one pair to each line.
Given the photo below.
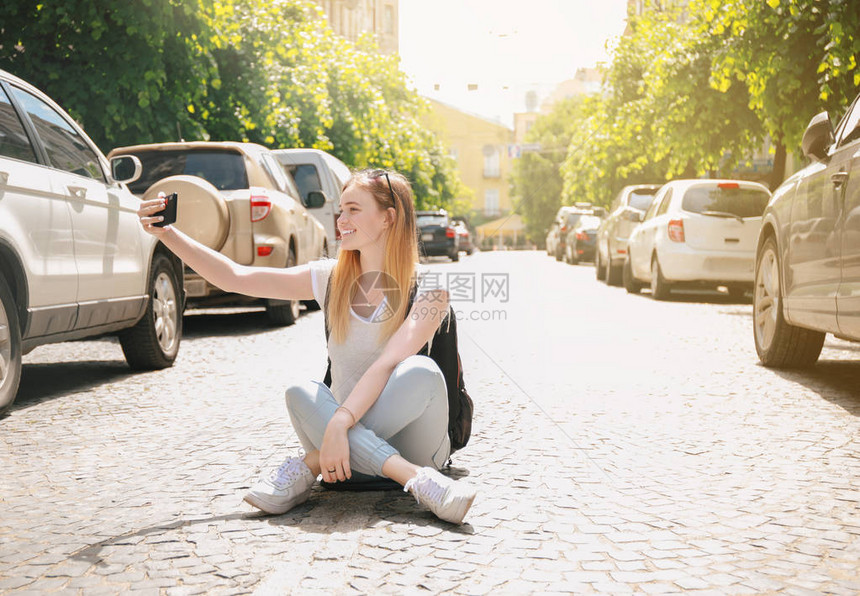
386, 413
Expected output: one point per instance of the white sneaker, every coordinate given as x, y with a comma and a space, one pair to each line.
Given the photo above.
284, 488
447, 499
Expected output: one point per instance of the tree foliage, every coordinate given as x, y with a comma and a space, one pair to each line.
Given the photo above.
695, 89
536, 182
266, 71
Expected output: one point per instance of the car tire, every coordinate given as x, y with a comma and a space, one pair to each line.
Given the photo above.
558, 254
777, 343
613, 275
10, 348
630, 283
599, 271
455, 256
284, 313
660, 288
153, 342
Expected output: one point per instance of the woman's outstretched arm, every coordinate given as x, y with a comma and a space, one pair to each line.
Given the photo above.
292, 283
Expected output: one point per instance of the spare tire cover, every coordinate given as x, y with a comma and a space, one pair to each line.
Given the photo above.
201, 210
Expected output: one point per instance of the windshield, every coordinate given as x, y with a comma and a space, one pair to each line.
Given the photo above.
737, 201
589, 222
572, 219
432, 220
225, 170
641, 199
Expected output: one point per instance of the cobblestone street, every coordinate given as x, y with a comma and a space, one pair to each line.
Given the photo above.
620, 445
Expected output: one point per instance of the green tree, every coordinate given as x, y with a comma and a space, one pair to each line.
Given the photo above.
126, 70
794, 57
270, 72
536, 182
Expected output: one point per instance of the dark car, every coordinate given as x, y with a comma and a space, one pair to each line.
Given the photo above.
436, 235
807, 267
581, 240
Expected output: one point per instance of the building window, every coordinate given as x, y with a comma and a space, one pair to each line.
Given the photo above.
491, 161
388, 20
491, 201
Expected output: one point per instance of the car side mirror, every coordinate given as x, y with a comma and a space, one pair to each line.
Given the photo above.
125, 168
315, 199
817, 137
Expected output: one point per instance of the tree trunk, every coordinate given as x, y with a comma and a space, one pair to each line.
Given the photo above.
778, 173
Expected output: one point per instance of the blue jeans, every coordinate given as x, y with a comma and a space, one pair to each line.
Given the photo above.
409, 418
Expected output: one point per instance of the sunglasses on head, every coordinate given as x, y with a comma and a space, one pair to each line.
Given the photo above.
379, 173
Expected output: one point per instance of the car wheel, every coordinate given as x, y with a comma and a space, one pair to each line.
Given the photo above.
778, 344
284, 312
455, 256
558, 254
630, 283
202, 212
659, 285
599, 271
10, 349
613, 275
154, 341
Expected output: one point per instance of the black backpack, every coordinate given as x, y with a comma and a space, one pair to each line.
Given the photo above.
444, 352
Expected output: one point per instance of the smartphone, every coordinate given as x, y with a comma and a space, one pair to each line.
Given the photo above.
169, 212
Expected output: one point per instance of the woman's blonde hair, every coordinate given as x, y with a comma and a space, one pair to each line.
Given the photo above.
400, 254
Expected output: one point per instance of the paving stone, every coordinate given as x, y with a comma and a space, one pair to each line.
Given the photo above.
694, 468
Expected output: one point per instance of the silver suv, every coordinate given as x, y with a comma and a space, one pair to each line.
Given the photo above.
74, 260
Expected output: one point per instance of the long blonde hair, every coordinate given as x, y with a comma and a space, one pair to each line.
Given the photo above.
401, 253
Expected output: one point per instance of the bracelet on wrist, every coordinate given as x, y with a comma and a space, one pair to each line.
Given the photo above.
351, 415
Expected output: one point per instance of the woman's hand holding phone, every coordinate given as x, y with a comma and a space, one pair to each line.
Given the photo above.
157, 213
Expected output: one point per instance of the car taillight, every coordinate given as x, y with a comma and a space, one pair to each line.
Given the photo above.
261, 206
581, 236
564, 228
676, 230
450, 232
728, 185
264, 251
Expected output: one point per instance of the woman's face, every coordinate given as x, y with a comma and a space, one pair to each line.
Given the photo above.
362, 223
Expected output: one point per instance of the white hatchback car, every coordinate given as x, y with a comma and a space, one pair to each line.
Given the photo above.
697, 233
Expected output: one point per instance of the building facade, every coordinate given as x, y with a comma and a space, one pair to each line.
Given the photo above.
352, 18
480, 147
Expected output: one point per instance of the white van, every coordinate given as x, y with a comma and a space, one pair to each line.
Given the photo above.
317, 171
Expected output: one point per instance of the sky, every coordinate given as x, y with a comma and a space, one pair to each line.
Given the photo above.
506, 47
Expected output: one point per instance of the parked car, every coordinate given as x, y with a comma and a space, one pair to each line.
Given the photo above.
697, 233
566, 218
436, 235
615, 230
237, 199
464, 235
74, 259
581, 240
552, 237
807, 274
317, 171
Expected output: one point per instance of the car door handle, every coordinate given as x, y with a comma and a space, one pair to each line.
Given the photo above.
839, 178
79, 192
